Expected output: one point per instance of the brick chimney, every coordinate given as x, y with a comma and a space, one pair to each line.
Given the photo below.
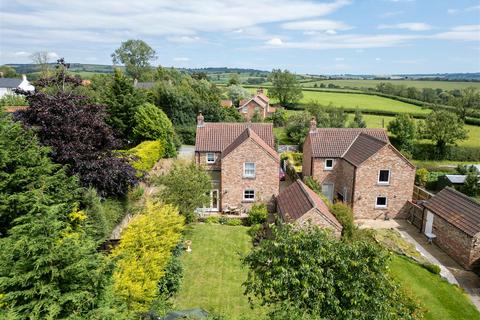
200, 120
313, 125
24, 77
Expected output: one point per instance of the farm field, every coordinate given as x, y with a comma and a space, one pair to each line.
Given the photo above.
362, 101
445, 85
214, 274
440, 299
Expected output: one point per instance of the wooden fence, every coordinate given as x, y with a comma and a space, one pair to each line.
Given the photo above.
415, 214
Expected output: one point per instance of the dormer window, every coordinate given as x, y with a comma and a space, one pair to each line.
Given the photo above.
210, 157
384, 177
328, 164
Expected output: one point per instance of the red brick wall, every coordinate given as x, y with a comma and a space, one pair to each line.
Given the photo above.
314, 217
201, 159
251, 111
398, 191
265, 183
454, 242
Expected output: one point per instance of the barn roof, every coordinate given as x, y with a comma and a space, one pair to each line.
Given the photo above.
457, 209
10, 83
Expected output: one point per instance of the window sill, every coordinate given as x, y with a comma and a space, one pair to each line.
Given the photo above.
381, 208
328, 169
248, 200
383, 183
249, 178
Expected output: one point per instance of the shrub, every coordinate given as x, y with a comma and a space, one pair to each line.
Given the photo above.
254, 229
13, 100
313, 184
234, 222
146, 154
421, 177
433, 268
186, 134
344, 215
212, 220
223, 220
257, 214
151, 123
144, 253
170, 283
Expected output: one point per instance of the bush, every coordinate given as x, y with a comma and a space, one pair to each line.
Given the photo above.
146, 154
254, 229
13, 100
151, 123
186, 134
234, 222
344, 215
223, 220
170, 283
257, 214
421, 177
212, 220
433, 268
313, 184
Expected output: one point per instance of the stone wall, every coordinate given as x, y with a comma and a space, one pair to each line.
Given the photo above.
454, 242
367, 188
265, 183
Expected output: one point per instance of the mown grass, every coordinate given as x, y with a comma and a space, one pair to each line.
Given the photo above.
214, 273
445, 85
440, 299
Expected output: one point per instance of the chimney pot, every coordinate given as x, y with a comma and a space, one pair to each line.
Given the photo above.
200, 120
260, 91
24, 77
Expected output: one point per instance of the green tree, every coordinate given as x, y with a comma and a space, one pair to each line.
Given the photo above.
443, 128
358, 121
279, 117
297, 126
308, 271
234, 79
151, 123
122, 102
469, 100
403, 127
285, 87
471, 187
26, 168
256, 117
237, 93
42, 59
8, 72
187, 187
49, 268
135, 55
336, 118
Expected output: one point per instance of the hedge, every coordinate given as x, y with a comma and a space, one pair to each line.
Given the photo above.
186, 134
146, 154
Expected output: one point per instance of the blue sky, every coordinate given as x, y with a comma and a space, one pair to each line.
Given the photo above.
305, 36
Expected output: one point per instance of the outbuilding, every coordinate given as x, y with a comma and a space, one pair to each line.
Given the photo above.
452, 220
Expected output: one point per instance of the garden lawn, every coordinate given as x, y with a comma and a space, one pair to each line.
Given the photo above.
213, 273
440, 299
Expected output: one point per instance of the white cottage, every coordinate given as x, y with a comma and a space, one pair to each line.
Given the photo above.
7, 85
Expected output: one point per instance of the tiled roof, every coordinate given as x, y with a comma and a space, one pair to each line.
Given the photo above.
249, 133
363, 148
257, 99
216, 136
456, 208
297, 199
456, 178
334, 142
263, 97
10, 83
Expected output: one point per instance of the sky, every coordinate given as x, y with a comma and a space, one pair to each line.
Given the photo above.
317, 37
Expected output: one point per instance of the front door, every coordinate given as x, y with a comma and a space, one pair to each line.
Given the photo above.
429, 223
327, 190
214, 200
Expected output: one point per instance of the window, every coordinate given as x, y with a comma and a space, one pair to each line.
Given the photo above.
249, 170
210, 157
384, 177
328, 164
381, 202
249, 195
244, 109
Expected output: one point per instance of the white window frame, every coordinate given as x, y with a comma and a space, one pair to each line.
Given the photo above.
208, 160
249, 199
245, 175
325, 165
245, 109
381, 206
384, 182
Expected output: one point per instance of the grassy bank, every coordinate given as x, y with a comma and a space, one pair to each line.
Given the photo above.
445, 85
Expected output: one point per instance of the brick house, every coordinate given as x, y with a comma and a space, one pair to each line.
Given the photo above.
242, 161
259, 103
299, 204
454, 220
359, 166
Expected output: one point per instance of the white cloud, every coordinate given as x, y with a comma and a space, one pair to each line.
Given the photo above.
390, 14
52, 56
339, 59
453, 11
331, 31
466, 32
181, 59
316, 25
275, 42
412, 26
184, 39
22, 54
378, 59
469, 9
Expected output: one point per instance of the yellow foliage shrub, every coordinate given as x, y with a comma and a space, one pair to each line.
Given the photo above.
144, 252
147, 154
